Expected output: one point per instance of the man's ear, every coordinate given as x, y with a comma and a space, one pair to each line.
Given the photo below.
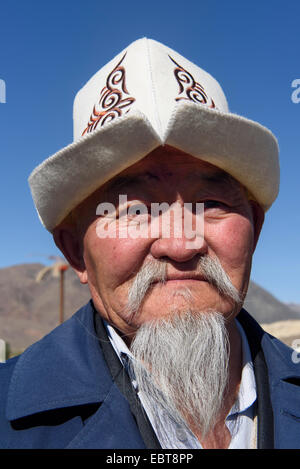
69, 243
258, 215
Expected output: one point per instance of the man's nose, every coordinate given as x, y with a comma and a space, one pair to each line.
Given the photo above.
178, 249
178, 239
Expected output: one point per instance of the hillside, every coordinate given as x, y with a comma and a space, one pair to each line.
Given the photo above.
29, 310
265, 308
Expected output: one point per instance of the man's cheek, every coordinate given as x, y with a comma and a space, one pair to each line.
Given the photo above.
232, 239
239, 246
119, 259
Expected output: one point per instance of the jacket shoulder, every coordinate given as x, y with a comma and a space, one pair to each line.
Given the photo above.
48, 391
6, 372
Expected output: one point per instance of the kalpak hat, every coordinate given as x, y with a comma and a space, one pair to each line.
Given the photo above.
149, 96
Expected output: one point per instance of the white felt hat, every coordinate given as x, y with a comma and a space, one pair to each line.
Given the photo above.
148, 96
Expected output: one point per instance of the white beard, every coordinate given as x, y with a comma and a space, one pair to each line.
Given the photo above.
181, 360
181, 366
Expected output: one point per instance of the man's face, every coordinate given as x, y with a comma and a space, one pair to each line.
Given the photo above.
111, 264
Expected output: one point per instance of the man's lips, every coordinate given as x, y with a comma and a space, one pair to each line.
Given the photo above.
182, 277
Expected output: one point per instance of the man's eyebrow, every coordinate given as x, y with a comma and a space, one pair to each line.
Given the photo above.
218, 176
129, 179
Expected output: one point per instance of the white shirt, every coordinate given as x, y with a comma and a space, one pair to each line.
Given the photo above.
240, 420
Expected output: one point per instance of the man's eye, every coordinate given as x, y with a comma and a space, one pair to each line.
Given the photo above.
213, 204
138, 210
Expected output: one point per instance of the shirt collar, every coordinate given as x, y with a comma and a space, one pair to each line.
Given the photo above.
247, 391
116, 341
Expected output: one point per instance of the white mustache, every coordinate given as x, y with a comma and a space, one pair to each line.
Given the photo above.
156, 271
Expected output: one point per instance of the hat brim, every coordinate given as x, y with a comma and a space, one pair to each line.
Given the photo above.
243, 148
239, 146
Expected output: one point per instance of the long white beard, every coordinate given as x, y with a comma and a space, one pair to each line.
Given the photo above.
181, 360
181, 365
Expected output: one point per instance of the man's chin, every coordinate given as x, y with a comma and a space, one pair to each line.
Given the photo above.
183, 303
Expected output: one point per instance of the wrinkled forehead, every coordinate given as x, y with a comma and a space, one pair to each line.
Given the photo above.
164, 162
165, 165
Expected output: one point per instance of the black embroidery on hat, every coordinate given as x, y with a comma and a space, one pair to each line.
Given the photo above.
189, 89
112, 101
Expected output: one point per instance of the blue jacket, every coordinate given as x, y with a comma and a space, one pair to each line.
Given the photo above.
60, 394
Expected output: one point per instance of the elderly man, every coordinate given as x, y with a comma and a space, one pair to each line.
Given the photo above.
158, 206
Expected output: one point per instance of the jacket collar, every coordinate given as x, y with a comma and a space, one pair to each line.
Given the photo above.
65, 368
282, 378
279, 357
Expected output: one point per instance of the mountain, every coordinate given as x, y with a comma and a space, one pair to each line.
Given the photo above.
265, 308
294, 307
30, 309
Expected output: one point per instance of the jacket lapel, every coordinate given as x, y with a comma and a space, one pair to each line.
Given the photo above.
278, 387
121, 378
265, 433
112, 426
287, 414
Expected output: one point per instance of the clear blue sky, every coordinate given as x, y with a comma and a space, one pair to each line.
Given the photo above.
48, 50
